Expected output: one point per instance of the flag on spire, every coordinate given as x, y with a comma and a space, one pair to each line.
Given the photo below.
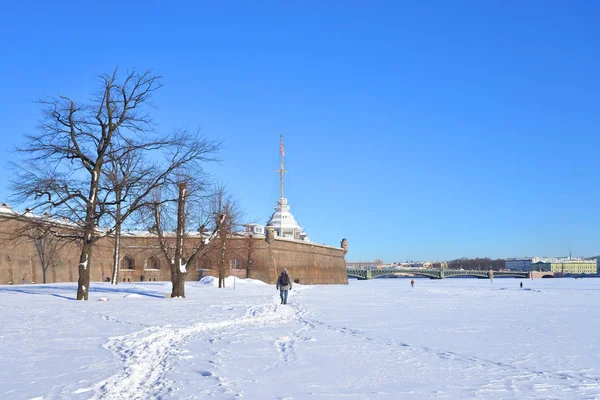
281, 149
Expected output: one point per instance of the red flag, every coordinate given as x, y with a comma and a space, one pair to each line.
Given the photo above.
281, 150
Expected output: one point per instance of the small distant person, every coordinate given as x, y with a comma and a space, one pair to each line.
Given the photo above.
25, 279
412, 283
284, 283
521, 285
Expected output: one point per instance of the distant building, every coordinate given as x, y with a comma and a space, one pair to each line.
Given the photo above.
574, 266
541, 266
254, 229
518, 264
559, 265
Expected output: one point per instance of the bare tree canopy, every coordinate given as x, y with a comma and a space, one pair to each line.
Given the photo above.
190, 204
87, 160
48, 236
223, 203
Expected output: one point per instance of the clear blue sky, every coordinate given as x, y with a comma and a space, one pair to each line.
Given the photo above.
417, 130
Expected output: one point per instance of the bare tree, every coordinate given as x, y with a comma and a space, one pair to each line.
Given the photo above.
250, 256
225, 205
127, 178
66, 161
174, 250
39, 230
118, 175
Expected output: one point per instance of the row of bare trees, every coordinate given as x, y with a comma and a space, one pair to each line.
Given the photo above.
93, 168
477, 264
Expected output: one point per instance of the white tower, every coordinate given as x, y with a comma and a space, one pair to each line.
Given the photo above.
282, 219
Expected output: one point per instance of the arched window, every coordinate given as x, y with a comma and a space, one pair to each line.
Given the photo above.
237, 263
127, 263
152, 263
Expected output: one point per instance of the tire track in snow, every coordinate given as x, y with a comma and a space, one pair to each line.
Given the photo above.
146, 354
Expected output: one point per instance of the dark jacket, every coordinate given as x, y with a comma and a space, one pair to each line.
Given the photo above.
284, 287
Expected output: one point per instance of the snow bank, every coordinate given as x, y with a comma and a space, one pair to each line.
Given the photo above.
133, 296
211, 280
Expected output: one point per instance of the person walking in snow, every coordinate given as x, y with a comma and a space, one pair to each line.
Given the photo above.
412, 283
521, 285
284, 283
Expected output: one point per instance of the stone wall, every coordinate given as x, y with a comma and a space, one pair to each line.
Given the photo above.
310, 263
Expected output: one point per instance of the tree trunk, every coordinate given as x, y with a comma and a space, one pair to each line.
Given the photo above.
116, 256
250, 255
179, 284
221, 263
83, 284
179, 270
84, 270
39, 245
221, 277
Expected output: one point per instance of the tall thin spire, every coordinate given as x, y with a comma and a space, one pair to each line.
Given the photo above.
282, 168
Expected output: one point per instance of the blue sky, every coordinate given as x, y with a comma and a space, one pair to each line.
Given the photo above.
417, 130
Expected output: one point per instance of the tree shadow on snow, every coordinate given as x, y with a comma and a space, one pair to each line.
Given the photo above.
43, 290
34, 291
127, 291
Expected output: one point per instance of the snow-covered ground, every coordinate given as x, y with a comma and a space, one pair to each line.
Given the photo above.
379, 339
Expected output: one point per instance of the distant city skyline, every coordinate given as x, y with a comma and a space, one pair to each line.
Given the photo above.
427, 131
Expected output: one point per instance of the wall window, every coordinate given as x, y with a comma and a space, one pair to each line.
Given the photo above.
127, 263
152, 263
236, 263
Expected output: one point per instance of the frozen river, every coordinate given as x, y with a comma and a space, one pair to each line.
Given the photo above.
378, 339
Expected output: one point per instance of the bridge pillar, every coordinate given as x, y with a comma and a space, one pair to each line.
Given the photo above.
368, 274
442, 274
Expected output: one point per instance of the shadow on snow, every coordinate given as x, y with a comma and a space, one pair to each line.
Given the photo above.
44, 290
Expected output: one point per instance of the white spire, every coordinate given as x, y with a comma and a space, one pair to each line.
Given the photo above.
282, 219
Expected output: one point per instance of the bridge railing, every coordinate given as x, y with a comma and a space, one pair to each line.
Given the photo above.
432, 273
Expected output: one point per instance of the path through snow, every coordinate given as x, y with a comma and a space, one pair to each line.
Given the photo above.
147, 354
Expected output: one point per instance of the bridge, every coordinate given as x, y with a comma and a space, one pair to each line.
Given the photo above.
439, 273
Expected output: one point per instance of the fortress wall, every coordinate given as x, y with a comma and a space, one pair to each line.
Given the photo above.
19, 259
311, 263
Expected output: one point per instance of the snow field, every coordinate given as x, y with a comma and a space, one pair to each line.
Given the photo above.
379, 339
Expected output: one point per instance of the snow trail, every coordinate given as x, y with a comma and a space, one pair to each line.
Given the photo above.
146, 354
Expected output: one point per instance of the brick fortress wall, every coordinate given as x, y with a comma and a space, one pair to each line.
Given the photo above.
311, 263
